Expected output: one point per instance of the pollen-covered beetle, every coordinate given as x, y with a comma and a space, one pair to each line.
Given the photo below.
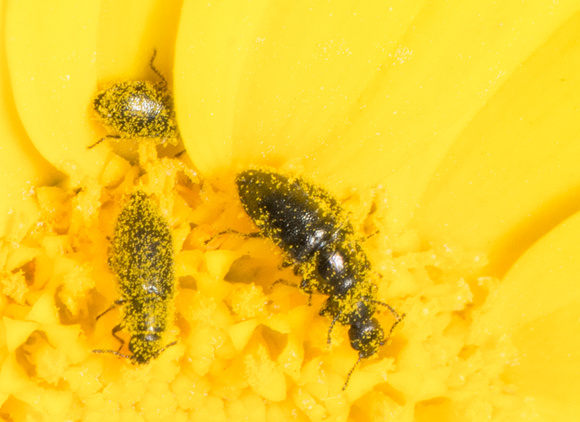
308, 224
137, 109
142, 258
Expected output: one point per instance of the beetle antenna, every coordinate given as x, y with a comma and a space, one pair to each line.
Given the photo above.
173, 343
390, 308
154, 69
398, 317
102, 139
351, 371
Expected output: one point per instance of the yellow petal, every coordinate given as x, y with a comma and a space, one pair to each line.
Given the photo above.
51, 60
17, 332
21, 166
21, 169
345, 90
440, 73
537, 307
295, 68
513, 172
352, 94
129, 31
210, 56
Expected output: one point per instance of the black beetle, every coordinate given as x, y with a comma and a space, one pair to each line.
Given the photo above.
309, 225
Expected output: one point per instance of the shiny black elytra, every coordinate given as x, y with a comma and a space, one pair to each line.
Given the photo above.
308, 224
142, 258
137, 109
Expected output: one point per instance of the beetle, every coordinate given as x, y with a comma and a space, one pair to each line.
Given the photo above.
142, 259
319, 241
137, 109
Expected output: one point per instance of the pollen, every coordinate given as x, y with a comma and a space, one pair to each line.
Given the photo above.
250, 341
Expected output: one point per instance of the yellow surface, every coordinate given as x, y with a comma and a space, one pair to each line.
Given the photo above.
54, 77
22, 167
453, 124
516, 160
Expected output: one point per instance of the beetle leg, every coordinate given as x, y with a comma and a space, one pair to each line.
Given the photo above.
115, 330
331, 327
113, 352
116, 303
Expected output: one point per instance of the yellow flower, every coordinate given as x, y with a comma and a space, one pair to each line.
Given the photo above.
448, 126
